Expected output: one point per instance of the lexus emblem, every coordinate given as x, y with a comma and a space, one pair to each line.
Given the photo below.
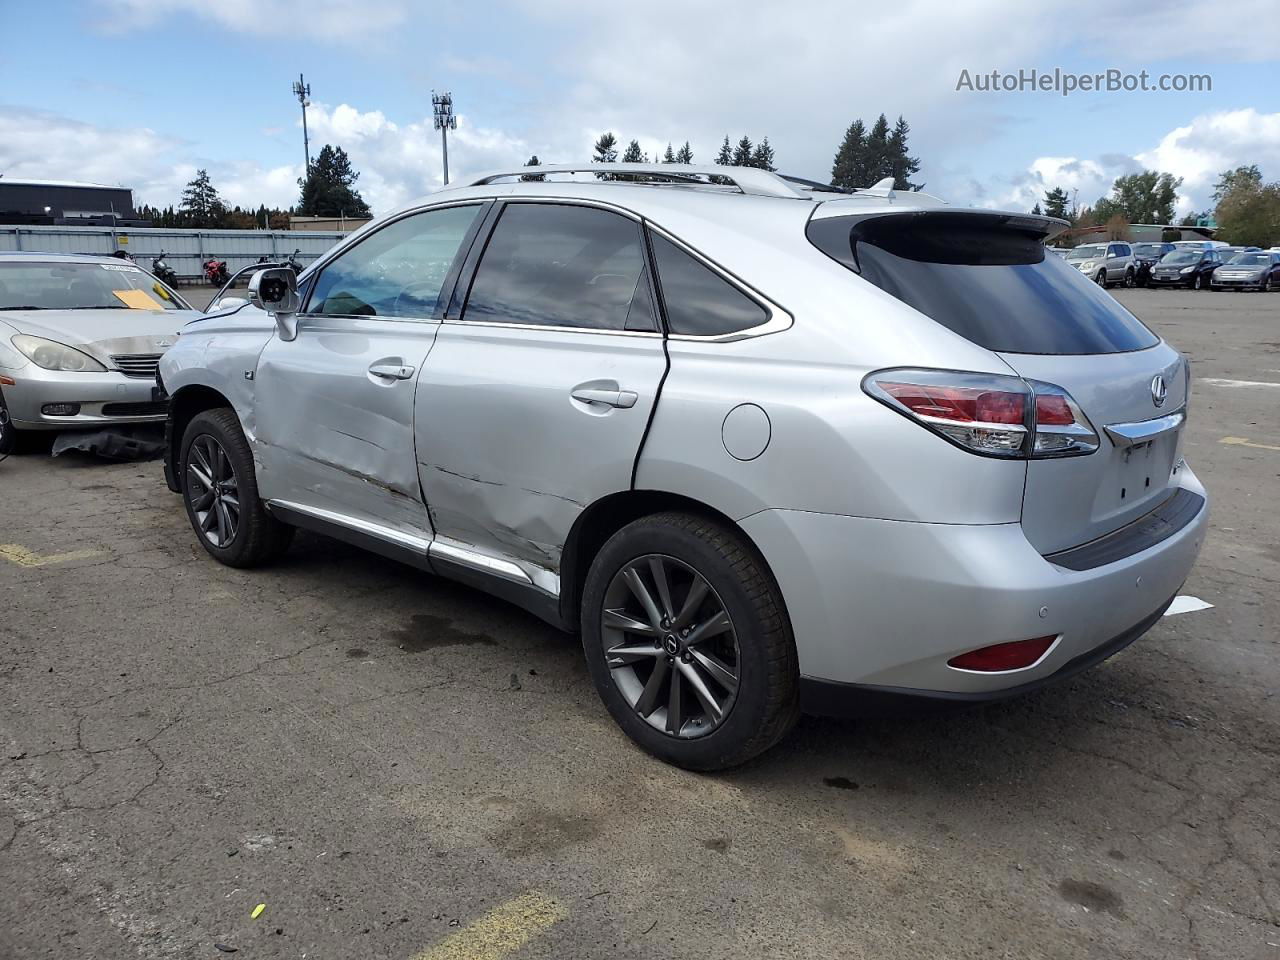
1159, 391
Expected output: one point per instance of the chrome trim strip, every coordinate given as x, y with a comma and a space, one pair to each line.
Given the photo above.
405, 540
477, 561
1129, 434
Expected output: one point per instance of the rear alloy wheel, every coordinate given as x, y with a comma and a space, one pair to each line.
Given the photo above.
220, 491
687, 642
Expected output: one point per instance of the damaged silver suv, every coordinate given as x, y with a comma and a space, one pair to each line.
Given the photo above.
769, 447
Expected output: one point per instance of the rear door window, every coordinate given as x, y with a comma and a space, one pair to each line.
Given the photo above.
985, 278
563, 265
699, 301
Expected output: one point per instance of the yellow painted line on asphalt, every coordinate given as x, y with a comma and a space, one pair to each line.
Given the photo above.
16, 553
500, 932
1245, 442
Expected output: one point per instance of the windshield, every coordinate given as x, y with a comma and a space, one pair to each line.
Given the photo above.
1148, 250
987, 281
1250, 260
1091, 251
1182, 256
52, 285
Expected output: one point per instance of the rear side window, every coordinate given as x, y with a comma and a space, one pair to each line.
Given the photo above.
699, 301
984, 278
563, 266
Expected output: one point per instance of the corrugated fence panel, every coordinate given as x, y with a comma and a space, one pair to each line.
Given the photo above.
185, 250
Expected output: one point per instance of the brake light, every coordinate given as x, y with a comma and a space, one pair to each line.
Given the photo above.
988, 414
1003, 656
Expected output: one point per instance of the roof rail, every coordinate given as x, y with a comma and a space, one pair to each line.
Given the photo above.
749, 180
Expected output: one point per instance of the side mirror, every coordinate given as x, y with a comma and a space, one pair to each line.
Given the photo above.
228, 303
275, 290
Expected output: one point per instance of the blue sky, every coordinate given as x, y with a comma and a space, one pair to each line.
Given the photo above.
142, 92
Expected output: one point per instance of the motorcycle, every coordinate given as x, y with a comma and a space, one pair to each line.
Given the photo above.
293, 263
215, 272
162, 271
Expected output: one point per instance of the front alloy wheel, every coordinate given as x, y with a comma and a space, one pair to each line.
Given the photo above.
670, 646
213, 491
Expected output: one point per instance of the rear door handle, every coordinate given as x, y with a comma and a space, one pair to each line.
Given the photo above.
392, 371
613, 398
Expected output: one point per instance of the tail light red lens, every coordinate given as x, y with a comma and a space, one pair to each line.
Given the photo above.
959, 404
1004, 656
989, 414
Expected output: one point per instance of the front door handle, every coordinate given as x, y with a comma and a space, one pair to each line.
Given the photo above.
392, 371
613, 398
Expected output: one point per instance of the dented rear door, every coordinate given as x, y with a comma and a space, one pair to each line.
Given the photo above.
535, 401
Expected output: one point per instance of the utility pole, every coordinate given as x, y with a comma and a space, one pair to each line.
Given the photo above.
442, 107
302, 90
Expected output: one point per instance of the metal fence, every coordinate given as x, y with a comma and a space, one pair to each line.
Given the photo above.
185, 250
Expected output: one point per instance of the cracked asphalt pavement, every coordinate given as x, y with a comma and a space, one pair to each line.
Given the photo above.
400, 767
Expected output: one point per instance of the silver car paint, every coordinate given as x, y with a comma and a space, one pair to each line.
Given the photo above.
331, 434
865, 518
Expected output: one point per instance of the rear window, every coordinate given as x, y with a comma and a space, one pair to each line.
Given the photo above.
986, 278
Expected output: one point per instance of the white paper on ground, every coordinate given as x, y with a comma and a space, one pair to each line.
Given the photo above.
1185, 604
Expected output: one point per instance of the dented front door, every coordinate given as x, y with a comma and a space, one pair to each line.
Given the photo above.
335, 419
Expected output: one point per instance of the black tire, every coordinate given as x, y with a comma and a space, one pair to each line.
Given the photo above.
1129, 280
258, 537
1267, 285
1197, 282
1101, 278
767, 704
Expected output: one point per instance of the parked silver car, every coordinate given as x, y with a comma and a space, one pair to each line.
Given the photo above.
80, 338
1105, 263
767, 446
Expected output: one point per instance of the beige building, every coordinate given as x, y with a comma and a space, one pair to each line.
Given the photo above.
344, 224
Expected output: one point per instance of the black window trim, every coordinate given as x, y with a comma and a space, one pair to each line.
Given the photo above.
481, 244
314, 271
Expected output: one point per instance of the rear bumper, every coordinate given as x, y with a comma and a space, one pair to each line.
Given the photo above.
885, 604
102, 398
832, 699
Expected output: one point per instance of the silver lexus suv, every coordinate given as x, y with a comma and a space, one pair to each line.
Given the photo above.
767, 446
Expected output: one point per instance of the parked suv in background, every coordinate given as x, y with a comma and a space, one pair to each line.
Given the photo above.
1190, 268
767, 446
1105, 263
1145, 256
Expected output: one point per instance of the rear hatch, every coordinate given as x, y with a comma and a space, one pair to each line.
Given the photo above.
988, 278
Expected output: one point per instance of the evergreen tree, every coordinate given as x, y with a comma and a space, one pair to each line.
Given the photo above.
849, 168
879, 162
685, 154
1055, 203
606, 149
725, 156
762, 156
902, 166
633, 153
1146, 197
1036, 210
328, 190
742, 152
201, 206
669, 156
533, 161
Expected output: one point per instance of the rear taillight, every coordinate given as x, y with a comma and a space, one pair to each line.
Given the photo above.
990, 414
1004, 656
